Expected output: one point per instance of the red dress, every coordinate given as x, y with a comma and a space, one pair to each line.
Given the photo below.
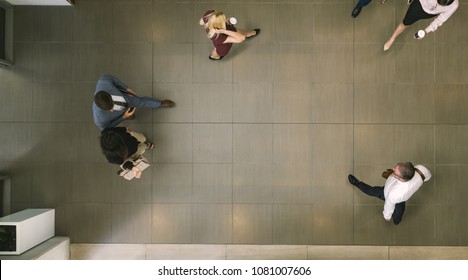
218, 39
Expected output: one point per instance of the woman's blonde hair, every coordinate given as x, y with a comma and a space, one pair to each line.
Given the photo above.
215, 20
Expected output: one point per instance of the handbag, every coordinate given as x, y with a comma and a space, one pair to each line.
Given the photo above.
140, 163
387, 173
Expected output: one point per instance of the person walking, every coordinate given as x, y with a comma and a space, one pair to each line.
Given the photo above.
223, 33
402, 182
115, 102
424, 9
122, 146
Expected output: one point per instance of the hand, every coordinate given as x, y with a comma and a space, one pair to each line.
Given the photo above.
420, 34
128, 129
130, 111
137, 172
131, 92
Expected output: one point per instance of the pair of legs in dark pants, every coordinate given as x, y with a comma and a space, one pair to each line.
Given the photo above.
397, 215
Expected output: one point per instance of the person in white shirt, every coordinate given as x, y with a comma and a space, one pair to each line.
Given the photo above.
404, 180
424, 9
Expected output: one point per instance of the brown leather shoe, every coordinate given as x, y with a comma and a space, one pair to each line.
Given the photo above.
167, 103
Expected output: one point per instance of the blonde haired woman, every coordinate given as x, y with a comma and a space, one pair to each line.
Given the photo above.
223, 33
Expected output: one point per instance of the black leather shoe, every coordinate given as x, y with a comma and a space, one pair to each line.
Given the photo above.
356, 12
353, 180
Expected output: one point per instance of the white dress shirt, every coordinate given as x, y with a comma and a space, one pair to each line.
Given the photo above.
396, 191
444, 12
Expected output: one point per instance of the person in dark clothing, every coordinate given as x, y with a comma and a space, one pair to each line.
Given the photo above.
122, 146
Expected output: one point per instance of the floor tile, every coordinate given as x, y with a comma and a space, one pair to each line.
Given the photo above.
252, 224
212, 143
171, 223
212, 223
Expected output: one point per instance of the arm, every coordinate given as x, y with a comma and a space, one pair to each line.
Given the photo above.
113, 122
118, 83
443, 17
389, 207
232, 37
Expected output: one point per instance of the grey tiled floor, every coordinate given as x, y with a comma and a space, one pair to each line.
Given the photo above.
259, 146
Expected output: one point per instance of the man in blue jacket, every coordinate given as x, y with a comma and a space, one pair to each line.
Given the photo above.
115, 102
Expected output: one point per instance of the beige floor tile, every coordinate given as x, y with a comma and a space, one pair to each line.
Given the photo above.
331, 23
428, 253
376, 23
252, 103
451, 102
292, 102
292, 143
287, 30
252, 224
332, 144
449, 221
212, 103
252, 143
164, 22
254, 63
418, 104
212, 183
252, 183
347, 252
293, 224
417, 226
185, 251
181, 94
374, 103
291, 183
332, 103
332, 63
414, 143
171, 223
172, 62
370, 228
450, 144
85, 251
450, 184
332, 223
210, 71
132, 22
414, 63
374, 144
212, 223
172, 183
132, 62
371, 65
445, 64
212, 143
329, 184
174, 143
266, 252
293, 62
131, 223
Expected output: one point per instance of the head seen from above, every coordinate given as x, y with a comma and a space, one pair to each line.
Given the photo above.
104, 100
404, 171
215, 20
